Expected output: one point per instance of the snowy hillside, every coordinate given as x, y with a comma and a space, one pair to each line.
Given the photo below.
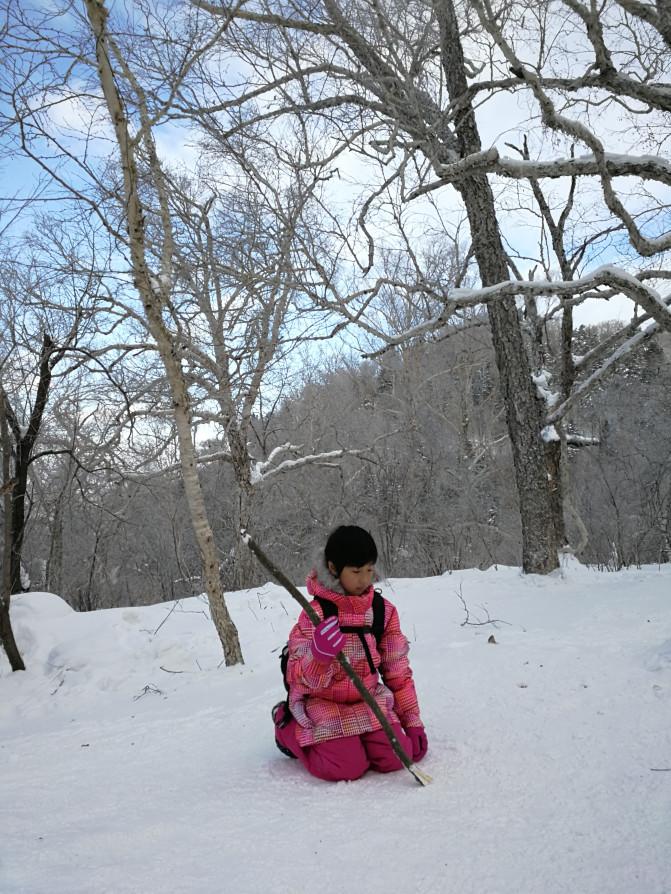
132, 761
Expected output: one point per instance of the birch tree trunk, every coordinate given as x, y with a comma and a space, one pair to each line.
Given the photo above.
153, 302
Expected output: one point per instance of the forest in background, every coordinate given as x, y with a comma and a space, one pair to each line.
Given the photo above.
434, 480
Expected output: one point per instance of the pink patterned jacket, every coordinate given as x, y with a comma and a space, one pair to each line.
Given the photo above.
323, 699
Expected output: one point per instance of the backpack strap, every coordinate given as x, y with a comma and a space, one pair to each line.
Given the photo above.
378, 616
328, 607
330, 610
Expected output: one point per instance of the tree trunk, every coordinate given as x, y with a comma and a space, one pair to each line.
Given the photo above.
244, 560
525, 421
553, 458
237, 443
7, 637
18, 522
152, 300
523, 407
209, 554
24, 444
54, 570
6, 633
15, 497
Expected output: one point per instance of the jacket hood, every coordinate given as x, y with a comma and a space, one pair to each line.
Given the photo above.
321, 582
321, 574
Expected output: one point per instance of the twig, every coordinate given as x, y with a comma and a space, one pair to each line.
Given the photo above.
149, 688
58, 687
166, 617
660, 769
468, 623
280, 577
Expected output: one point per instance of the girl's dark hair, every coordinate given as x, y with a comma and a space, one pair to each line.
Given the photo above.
350, 545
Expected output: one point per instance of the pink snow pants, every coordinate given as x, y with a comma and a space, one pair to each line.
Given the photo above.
347, 758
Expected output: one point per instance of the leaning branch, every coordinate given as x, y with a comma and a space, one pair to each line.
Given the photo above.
617, 282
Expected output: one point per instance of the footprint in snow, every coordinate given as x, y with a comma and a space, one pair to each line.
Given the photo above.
660, 658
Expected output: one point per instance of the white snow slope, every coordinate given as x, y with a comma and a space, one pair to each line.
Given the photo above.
131, 760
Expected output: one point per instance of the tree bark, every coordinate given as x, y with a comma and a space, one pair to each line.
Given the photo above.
244, 567
554, 459
24, 445
6, 632
523, 407
15, 497
54, 571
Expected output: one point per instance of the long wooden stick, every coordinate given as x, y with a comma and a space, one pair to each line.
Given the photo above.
280, 577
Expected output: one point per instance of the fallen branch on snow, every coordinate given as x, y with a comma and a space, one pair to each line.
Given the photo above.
468, 623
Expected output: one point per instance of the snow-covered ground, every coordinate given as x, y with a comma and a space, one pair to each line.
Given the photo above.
131, 760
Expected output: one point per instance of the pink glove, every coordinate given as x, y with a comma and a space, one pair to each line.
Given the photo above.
419, 741
327, 640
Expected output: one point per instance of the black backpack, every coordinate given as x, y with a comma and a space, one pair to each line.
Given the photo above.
329, 610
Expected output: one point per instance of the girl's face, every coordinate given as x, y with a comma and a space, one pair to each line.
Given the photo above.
355, 580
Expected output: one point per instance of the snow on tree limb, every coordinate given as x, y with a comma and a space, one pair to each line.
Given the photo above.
289, 464
619, 281
608, 275
647, 167
607, 366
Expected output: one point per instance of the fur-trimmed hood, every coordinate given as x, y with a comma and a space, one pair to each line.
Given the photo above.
323, 576
320, 582
321, 573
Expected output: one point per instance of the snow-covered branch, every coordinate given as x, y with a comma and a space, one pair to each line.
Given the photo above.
618, 281
606, 367
262, 471
647, 167
626, 283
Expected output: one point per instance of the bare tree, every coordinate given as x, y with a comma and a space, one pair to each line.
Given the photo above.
629, 62
396, 95
155, 288
26, 376
383, 86
216, 312
6, 632
409, 86
238, 310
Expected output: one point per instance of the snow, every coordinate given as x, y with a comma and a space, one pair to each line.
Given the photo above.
260, 469
541, 380
549, 434
263, 469
134, 761
160, 283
